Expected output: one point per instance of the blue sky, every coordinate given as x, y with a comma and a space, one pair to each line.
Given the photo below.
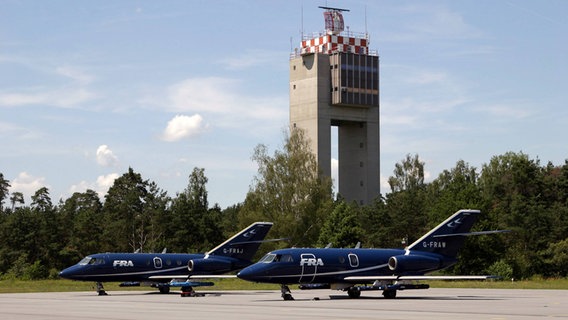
90, 88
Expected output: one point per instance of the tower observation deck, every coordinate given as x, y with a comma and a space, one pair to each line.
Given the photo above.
334, 81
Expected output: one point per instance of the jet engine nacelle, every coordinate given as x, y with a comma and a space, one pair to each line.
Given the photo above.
209, 265
413, 263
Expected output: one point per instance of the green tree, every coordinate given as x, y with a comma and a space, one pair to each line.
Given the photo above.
17, 197
512, 188
4, 186
453, 190
41, 201
156, 213
81, 219
196, 227
123, 213
289, 191
342, 228
406, 202
378, 226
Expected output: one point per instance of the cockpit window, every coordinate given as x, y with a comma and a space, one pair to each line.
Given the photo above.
85, 261
268, 258
91, 261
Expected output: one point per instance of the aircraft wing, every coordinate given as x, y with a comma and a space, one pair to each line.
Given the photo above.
411, 278
213, 276
185, 276
168, 277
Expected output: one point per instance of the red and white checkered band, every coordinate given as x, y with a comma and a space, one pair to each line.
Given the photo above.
332, 43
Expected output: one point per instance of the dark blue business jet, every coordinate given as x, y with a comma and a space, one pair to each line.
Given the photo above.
388, 270
165, 270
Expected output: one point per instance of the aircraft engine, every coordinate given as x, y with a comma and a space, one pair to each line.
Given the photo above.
413, 263
209, 265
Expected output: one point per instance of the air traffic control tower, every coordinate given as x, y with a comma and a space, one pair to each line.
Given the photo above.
334, 81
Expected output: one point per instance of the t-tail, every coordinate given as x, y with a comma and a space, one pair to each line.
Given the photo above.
243, 245
448, 237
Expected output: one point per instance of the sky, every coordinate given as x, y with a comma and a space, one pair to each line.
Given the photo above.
91, 88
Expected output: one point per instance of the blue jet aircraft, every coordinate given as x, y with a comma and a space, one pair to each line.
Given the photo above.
165, 270
388, 270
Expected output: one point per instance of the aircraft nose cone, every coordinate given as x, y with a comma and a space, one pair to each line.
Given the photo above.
67, 273
63, 274
246, 274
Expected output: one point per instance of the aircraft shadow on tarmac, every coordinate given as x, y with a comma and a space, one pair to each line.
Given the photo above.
439, 298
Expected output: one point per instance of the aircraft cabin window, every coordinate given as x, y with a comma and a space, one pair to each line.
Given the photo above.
93, 261
287, 258
157, 263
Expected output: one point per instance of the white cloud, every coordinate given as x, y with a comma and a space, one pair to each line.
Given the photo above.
251, 58
100, 186
222, 98
75, 74
428, 22
335, 174
105, 156
27, 184
63, 98
183, 127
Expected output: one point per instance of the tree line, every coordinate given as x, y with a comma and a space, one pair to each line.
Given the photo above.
513, 191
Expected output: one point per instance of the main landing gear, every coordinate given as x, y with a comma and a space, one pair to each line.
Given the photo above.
101, 289
389, 294
354, 292
187, 292
286, 294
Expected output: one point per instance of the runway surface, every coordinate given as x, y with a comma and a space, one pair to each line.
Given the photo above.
314, 304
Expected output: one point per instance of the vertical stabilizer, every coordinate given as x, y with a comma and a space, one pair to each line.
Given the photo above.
244, 244
448, 237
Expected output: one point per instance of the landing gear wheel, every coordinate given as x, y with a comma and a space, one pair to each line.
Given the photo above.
389, 294
164, 289
187, 292
286, 294
354, 292
101, 289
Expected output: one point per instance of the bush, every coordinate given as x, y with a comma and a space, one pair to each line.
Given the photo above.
502, 269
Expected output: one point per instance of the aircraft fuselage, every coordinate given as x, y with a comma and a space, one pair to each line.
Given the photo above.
123, 267
329, 265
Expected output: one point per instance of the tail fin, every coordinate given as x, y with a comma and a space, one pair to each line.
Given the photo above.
448, 237
244, 244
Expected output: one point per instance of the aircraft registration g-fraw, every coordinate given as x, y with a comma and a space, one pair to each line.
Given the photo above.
165, 270
355, 270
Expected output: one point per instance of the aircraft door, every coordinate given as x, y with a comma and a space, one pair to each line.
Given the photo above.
158, 263
309, 265
353, 260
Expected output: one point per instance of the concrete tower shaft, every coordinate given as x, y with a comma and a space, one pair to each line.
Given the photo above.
334, 81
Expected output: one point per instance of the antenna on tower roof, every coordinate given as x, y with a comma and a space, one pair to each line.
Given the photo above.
333, 9
333, 20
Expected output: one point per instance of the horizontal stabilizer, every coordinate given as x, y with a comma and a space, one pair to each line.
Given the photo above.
259, 241
466, 234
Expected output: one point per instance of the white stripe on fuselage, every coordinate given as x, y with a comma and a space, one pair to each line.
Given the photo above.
330, 273
134, 273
